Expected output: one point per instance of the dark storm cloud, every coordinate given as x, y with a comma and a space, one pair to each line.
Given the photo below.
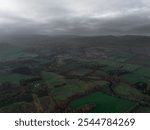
85, 17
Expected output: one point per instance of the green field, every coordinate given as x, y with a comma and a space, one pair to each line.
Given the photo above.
99, 73
140, 60
144, 72
128, 91
68, 67
13, 78
104, 103
142, 109
70, 88
118, 58
12, 54
81, 71
111, 63
130, 67
134, 78
52, 78
121, 56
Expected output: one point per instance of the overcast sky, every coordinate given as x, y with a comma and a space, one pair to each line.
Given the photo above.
83, 17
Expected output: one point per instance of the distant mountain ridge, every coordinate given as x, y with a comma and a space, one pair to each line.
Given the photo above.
66, 40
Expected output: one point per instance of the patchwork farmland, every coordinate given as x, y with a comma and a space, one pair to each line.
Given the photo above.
70, 79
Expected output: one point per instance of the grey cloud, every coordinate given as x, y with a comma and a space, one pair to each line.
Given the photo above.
86, 17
